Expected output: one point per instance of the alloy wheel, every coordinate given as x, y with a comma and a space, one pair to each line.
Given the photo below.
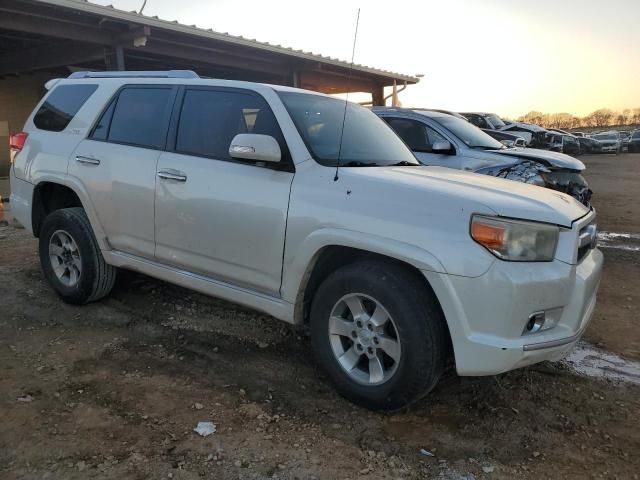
65, 258
364, 339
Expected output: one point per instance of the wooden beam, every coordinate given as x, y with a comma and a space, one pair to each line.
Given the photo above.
67, 30
54, 28
48, 56
120, 58
196, 53
328, 83
377, 95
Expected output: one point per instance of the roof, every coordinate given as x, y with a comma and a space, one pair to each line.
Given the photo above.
155, 22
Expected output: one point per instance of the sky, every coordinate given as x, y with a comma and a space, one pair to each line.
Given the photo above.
503, 56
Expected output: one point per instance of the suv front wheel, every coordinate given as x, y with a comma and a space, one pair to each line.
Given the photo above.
71, 259
379, 334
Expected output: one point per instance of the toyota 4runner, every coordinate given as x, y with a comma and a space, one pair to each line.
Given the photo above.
310, 209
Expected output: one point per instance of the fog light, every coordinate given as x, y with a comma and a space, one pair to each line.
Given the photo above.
535, 322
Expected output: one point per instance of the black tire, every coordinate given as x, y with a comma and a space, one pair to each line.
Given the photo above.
422, 332
96, 277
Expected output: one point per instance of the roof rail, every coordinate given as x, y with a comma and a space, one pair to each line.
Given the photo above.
136, 74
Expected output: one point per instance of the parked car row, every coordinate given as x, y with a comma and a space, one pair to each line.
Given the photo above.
513, 133
634, 142
313, 210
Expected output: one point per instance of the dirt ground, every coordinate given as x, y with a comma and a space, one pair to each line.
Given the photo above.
115, 389
615, 181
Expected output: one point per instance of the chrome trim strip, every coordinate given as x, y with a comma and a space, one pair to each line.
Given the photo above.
552, 343
585, 239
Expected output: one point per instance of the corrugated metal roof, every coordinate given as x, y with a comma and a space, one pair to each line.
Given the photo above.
111, 12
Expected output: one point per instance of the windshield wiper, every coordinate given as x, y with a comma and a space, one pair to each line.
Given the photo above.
358, 163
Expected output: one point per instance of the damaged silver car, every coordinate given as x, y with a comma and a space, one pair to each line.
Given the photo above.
445, 140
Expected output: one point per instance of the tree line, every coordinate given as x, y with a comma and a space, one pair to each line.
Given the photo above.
603, 117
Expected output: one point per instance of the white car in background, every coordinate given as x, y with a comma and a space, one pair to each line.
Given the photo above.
261, 195
609, 142
447, 140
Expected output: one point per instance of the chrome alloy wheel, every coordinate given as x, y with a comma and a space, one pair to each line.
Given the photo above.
65, 258
364, 339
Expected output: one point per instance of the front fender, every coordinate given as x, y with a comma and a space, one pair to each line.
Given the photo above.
303, 259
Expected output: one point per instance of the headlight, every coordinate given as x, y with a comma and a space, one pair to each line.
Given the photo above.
515, 240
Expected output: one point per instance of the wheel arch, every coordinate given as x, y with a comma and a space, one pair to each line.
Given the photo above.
328, 249
51, 194
330, 257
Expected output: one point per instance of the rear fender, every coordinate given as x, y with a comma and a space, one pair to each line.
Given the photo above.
77, 187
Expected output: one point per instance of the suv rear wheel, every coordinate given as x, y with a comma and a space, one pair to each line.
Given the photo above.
379, 334
71, 259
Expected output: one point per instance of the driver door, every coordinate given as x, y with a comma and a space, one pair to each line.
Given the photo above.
216, 216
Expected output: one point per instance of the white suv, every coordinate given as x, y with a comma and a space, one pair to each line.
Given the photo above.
234, 189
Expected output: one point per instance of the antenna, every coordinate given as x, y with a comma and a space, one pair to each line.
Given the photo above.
346, 100
144, 4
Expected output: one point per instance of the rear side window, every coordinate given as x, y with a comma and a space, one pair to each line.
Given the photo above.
139, 117
209, 120
61, 105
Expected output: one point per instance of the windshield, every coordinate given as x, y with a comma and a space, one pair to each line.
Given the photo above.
605, 136
495, 120
367, 140
471, 135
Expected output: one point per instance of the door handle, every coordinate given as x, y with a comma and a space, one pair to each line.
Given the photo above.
171, 174
87, 160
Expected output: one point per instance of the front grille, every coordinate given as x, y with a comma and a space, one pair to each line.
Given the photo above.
587, 240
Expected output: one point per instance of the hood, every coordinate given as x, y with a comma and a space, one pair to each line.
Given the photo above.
504, 197
554, 159
529, 126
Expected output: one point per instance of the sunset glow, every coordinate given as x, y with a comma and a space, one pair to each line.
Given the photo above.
505, 56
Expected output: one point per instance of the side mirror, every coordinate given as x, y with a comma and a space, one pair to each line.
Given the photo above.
441, 147
253, 146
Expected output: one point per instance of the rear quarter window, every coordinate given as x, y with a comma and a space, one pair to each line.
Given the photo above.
61, 105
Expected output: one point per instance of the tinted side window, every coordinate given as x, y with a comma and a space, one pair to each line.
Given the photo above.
478, 121
419, 137
434, 137
61, 106
209, 120
101, 130
140, 117
413, 133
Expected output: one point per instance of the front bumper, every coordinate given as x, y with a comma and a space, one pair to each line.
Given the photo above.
609, 148
487, 315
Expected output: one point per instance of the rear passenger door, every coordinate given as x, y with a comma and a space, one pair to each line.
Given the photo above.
419, 138
217, 216
117, 165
